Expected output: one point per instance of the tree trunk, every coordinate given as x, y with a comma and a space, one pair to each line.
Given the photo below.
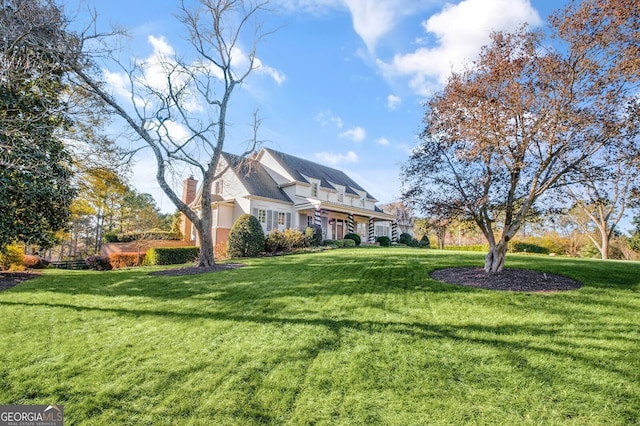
604, 247
206, 258
494, 262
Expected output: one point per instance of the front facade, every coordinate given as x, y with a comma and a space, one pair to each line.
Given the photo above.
283, 191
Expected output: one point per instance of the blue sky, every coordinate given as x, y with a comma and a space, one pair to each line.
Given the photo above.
342, 81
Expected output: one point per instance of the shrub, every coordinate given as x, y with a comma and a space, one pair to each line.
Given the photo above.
424, 242
125, 260
348, 242
293, 239
12, 257
384, 241
332, 243
353, 236
314, 235
405, 238
274, 241
98, 263
246, 237
414, 243
34, 262
171, 255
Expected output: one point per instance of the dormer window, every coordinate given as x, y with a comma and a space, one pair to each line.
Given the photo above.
314, 190
341, 197
218, 187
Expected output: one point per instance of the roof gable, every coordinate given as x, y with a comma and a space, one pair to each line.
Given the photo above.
255, 178
298, 168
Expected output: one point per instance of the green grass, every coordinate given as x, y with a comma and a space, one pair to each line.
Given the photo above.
350, 336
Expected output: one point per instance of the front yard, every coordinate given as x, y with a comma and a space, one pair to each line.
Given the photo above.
349, 336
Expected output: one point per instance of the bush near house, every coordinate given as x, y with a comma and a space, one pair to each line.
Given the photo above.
384, 241
348, 243
246, 238
353, 236
171, 255
314, 235
405, 238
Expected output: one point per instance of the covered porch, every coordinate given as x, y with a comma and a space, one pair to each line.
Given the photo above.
337, 220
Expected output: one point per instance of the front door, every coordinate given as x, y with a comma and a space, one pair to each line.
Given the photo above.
339, 229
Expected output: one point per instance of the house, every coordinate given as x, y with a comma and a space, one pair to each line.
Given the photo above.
283, 191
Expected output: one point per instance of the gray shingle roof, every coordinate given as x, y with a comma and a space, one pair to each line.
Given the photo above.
298, 168
255, 178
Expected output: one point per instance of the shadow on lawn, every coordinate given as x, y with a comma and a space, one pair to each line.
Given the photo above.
513, 340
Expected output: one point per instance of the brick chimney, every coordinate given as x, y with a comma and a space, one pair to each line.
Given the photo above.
189, 187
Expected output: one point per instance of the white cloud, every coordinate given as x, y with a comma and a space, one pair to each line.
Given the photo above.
393, 101
327, 117
461, 30
335, 159
277, 75
356, 134
383, 141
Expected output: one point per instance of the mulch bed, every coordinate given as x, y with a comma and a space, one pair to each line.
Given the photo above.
11, 279
507, 280
194, 270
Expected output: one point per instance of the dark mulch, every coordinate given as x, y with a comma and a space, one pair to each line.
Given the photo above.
194, 270
507, 280
10, 279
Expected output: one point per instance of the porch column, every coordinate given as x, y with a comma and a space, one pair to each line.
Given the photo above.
372, 230
317, 219
350, 223
394, 231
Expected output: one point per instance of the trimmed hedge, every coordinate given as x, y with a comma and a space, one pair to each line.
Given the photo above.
171, 255
126, 260
340, 243
111, 237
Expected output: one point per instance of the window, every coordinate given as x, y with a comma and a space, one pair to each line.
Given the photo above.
262, 216
281, 219
314, 189
340, 197
362, 202
218, 187
310, 220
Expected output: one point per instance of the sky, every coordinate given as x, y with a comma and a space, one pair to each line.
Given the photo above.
341, 82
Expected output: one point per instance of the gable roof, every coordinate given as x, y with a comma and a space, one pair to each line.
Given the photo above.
255, 178
298, 168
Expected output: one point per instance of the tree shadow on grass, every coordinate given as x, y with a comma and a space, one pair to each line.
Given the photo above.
514, 339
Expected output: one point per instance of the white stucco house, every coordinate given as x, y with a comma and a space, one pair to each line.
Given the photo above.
283, 191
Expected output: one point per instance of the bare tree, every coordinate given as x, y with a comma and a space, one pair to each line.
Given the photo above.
192, 95
604, 199
522, 118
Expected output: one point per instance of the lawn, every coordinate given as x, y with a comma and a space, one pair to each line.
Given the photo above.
349, 336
